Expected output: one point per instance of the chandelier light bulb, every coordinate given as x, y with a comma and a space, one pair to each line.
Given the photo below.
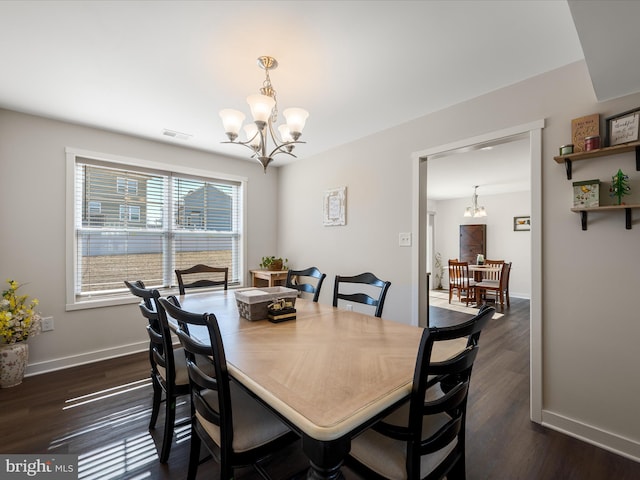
232, 122
253, 138
261, 107
285, 133
296, 119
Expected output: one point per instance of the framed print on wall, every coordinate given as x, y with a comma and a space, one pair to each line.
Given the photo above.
334, 206
521, 224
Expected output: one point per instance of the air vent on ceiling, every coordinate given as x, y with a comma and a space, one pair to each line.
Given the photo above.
174, 134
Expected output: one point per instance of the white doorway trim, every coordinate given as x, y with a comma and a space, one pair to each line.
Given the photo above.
418, 249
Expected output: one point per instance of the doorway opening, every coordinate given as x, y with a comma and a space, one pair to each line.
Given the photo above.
533, 132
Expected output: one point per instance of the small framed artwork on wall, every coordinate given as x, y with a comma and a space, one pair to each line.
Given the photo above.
521, 224
334, 206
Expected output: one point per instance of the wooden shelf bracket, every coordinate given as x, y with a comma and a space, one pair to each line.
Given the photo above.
627, 214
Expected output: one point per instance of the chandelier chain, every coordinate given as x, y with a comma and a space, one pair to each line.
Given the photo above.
268, 90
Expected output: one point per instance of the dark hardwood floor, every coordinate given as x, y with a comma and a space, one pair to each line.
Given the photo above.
101, 412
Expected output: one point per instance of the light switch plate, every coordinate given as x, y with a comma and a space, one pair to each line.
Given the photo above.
404, 239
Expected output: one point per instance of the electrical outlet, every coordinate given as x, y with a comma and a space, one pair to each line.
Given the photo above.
47, 324
349, 308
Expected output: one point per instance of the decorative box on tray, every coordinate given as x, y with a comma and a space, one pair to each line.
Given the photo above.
253, 303
281, 310
586, 194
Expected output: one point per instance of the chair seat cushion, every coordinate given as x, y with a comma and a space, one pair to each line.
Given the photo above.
182, 375
387, 456
488, 284
253, 424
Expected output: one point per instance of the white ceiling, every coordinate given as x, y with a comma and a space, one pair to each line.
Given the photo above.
358, 67
496, 168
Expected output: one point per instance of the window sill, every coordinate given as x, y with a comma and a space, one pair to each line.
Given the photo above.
126, 299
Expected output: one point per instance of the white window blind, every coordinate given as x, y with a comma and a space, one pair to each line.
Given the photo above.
133, 223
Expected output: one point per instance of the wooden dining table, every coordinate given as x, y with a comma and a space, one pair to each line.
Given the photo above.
329, 374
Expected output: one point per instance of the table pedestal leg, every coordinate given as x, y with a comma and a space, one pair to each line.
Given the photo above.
317, 473
325, 457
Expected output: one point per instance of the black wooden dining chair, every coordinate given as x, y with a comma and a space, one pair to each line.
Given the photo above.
202, 276
362, 279
300, 280
425, 437
234, 427
168, 365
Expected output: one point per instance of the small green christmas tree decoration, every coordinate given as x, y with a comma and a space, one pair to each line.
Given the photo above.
619, 186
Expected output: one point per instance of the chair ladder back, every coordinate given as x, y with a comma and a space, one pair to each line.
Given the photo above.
293, 279
493, 275
198, 271
453, 377
361, 297
160, 337
460, 282
504, 277
164, 378
138, 289
200, 381
161, 349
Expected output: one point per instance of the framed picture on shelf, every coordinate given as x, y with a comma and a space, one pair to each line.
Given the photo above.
582, 128
521, 224
623, 128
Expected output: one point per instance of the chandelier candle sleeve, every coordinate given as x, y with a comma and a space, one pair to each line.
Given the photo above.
261, 107
232, 122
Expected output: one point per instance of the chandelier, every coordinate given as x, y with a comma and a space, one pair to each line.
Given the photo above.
474, 210
264, 109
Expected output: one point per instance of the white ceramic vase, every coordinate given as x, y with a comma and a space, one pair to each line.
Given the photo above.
13, 362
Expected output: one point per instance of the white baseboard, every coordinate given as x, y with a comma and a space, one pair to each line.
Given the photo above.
611, 442
525, 296
89, 357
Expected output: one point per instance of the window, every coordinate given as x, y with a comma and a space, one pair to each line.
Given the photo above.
127, 186
95, 208
132, 222
129, 213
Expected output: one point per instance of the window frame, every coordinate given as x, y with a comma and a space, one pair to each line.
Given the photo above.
72, 154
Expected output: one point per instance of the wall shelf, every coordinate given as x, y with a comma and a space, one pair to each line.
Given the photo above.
627, 213
600, 152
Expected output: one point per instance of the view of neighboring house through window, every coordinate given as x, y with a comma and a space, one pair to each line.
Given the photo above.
134, 223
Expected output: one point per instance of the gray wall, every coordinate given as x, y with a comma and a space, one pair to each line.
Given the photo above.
589, 279
32, 240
